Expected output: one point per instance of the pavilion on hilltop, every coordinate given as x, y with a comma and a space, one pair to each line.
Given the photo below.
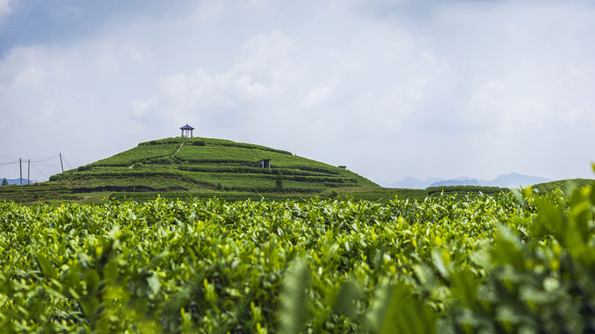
187, 131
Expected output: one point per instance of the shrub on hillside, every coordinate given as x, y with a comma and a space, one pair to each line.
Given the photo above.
164, 161
465, 189
174, 140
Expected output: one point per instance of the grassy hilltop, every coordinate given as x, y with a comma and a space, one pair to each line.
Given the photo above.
207, 166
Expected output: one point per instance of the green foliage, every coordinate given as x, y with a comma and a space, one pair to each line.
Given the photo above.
35, 192
485, 264
407, 314
374, 194
84, 168
141, 153
565, 185
293, 301
229, 143
165, 141
451, 190
199, 164
279, 181
535, 278
4, 182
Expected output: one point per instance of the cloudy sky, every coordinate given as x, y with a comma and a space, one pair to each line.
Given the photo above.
390, 88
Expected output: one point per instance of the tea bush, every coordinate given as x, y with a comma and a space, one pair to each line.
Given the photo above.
512, 262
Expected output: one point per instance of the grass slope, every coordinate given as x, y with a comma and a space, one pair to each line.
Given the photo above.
564, 185
207, 165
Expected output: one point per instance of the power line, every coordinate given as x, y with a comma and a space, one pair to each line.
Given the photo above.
16, 161
47, 164
46, 158
43, 160
50, 163
47, 178
67, 162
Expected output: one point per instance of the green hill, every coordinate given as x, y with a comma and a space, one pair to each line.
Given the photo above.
564, 185
206, 165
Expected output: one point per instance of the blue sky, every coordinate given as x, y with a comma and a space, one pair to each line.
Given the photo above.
389, 88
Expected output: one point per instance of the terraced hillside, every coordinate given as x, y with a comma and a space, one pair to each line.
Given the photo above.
206, 164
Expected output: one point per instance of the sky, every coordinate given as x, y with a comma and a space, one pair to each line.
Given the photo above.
389, 88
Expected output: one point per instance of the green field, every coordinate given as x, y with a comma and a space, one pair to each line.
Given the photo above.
500, 263
134, 188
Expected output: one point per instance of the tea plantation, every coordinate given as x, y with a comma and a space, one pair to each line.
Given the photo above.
207, 164
512, 262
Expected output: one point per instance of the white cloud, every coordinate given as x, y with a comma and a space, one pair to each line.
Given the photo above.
319, 94
187, 89
246, 87
261, 72
5, 9
446, 90
16, 64
28, 76
141, 107
261, 50
67, 11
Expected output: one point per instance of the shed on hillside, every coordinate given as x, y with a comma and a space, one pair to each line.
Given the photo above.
264, 163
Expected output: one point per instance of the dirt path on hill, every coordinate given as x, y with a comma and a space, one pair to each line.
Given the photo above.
178, 150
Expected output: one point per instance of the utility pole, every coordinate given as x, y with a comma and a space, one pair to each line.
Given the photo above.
28, 170
21, 173
61, 164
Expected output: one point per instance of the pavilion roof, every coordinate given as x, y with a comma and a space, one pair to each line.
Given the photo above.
186, 127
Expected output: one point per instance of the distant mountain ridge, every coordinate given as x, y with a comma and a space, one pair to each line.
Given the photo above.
456, 182
512, 180
17, 181
411, 183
